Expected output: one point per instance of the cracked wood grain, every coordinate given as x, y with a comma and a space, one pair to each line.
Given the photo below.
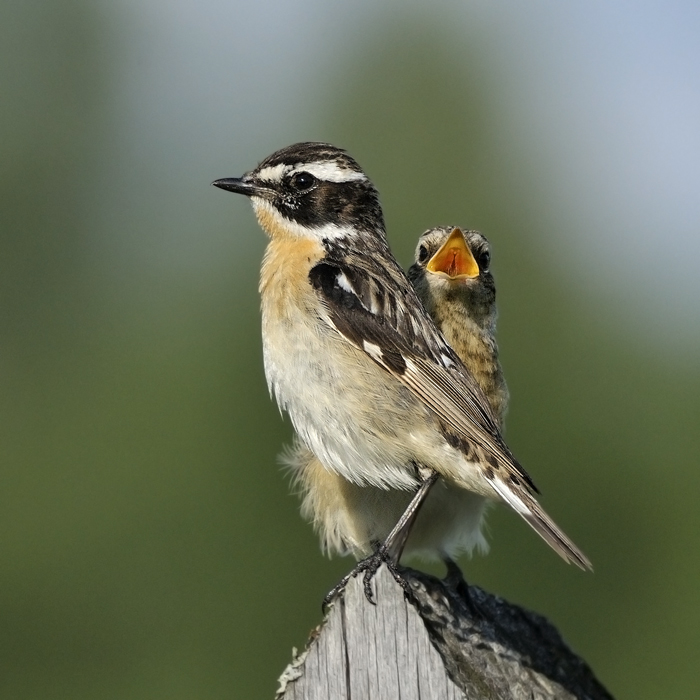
452, 641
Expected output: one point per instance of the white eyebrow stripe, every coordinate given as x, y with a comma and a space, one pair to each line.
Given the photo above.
329, 171
274, 173
373, 350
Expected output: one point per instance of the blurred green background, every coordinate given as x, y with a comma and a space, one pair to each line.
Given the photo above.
149, 546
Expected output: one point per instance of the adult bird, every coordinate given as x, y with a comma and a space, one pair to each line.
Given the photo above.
452, 277
369, 382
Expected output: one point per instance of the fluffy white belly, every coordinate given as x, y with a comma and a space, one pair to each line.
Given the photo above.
354, 416
360, 421
350, 518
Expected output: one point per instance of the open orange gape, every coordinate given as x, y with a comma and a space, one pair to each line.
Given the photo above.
454, 259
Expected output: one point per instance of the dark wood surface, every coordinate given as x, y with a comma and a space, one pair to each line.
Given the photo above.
450, 641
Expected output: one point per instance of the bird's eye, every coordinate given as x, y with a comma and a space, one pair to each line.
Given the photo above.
422, 254
483, 260
302, 181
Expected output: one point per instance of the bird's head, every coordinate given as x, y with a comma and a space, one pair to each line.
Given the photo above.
311, 190
452, 263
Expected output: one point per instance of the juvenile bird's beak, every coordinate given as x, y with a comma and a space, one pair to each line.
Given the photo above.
239, 185
454, 259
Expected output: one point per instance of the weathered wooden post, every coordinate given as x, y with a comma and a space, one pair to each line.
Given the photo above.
452, 641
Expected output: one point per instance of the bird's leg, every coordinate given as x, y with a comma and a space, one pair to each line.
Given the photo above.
396, 540
389, 552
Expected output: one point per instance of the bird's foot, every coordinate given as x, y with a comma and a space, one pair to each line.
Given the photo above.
454, 576
455, 581
372, 565
369, 567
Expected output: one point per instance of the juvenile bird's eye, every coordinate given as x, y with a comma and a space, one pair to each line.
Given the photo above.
302, 181
422, 254
483, 260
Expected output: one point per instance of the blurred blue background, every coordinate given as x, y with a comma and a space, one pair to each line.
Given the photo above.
149, 545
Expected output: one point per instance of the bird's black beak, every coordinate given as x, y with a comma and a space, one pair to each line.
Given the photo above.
238, 185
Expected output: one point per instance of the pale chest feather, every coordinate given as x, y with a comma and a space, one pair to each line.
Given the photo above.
287, 305
357, 418
284, 277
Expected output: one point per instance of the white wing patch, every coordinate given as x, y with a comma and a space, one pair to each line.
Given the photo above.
373, 350
344, 283
374, 305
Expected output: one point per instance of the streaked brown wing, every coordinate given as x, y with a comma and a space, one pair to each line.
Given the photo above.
399, 336
376, 310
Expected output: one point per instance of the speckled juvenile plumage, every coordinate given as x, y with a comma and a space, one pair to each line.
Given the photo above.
371, 386
465, 312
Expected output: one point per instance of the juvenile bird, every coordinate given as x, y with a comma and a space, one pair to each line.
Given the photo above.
452, 277
370, 384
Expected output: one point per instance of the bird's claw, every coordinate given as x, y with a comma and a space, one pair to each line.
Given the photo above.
369, 566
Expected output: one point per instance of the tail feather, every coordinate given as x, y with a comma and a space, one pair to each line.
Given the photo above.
533, 514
